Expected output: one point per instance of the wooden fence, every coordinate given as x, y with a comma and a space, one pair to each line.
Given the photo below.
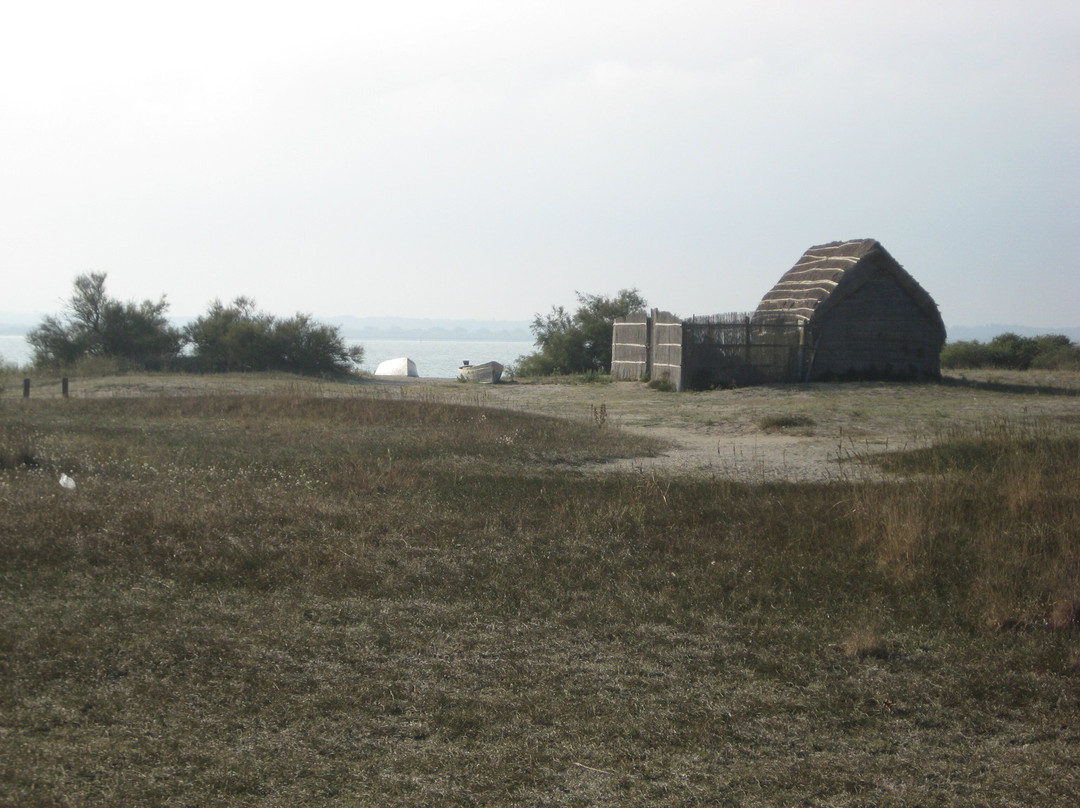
727, 350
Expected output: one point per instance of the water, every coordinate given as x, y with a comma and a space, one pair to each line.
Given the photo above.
434, 358
14, 350
441, 358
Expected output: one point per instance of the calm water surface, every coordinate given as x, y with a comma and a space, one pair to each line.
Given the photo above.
14, 350
440, 359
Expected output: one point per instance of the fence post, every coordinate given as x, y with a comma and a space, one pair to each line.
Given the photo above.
64, 386
26, 388
799, 364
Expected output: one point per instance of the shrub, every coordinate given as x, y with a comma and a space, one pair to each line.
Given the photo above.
1012, 352
773, 423
95, 325
579, 342
237, 337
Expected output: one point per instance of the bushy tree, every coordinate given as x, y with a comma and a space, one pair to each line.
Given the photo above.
140, 333
312, 347
228, 337
237, 337
55, 343
97, 325
578, 342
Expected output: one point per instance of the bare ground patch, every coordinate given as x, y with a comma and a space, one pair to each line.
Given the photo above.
811, 432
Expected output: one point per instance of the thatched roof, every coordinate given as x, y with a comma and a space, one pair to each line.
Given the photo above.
828, 273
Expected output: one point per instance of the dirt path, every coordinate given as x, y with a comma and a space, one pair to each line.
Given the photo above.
716, 432
805, 432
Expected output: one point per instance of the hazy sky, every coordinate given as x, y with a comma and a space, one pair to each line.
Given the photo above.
488, 159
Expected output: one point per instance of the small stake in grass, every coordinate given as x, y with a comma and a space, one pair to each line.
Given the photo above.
599, 415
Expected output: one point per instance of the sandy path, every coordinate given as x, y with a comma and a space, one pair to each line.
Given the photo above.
713, 433
730, 433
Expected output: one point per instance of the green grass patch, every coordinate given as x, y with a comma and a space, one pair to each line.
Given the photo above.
775, 423
987, 453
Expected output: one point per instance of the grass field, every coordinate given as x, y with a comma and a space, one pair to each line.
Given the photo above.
295, 595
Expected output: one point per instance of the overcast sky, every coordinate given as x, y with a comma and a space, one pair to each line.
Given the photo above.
488, 159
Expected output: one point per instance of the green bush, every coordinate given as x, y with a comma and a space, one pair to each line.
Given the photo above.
239, 338
578, 342
98, 330
1012, 352
98, 326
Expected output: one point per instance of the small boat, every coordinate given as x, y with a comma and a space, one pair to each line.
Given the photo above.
402, 366
487, 373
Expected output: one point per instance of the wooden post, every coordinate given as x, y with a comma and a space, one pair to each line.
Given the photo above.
802, 345
64, 386
26, 388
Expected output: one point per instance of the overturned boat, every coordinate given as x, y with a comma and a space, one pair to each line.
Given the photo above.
402, 366
486, 373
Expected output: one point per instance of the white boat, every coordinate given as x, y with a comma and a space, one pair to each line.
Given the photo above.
487, 373
402, 366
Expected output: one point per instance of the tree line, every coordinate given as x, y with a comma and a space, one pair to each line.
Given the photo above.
238, 337
1011, 351
234, 337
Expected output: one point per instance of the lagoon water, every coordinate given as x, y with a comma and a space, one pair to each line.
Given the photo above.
439, 358
14, 350
435, 358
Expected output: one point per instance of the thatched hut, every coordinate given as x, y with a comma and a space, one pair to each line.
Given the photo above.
863, 315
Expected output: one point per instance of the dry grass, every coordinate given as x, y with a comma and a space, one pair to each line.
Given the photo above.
342, 599
997, 508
